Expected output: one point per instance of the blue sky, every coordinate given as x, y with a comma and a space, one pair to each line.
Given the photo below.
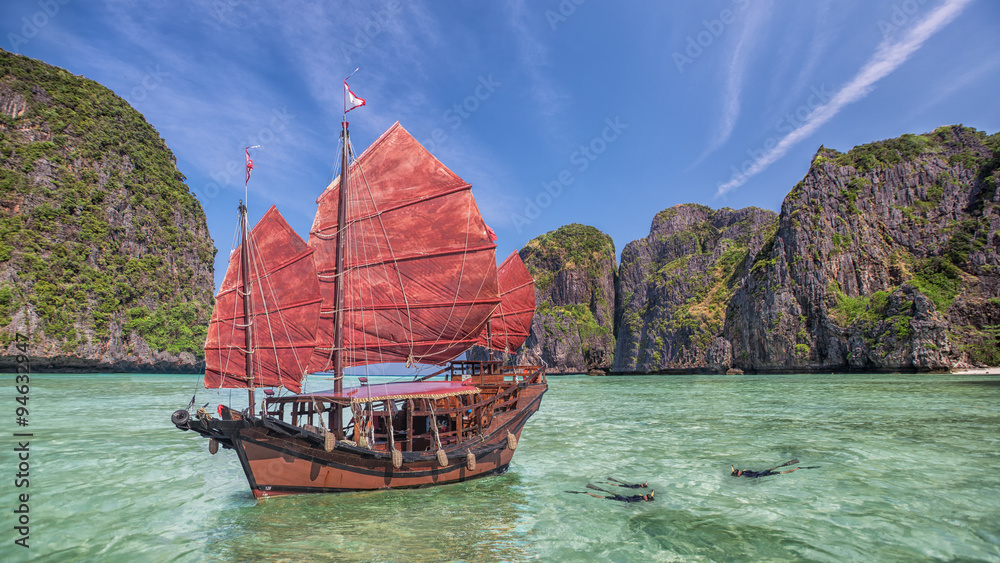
556, 111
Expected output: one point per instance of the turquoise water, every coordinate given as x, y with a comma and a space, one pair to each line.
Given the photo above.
910, 470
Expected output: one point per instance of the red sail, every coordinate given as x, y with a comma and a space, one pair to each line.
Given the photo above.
285, 303
420, 267
508, 328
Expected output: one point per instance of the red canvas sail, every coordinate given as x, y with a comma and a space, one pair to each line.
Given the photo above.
419, 265
284, 303
510, 324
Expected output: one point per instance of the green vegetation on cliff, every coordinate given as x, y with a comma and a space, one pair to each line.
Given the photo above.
675, 284
574, 271
889, 152
572, 246
96, 223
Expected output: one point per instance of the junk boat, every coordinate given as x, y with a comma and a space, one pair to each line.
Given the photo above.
399, 268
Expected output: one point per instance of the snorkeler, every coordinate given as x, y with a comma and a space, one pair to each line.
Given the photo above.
616, 496
751, 473
619, 483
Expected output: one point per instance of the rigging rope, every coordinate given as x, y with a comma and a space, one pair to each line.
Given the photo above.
395, 264
224, 369
468, 310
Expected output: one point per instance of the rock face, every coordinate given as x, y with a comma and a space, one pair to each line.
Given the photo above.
674, 284
105, 256
885, 258
573, 328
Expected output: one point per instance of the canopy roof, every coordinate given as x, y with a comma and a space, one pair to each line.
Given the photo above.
393, 391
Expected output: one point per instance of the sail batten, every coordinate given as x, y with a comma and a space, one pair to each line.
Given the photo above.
510, 325
419, 267
421, 256
273, 309
322, 231
274, 268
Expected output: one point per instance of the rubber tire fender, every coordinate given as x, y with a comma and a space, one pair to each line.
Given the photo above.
180, 417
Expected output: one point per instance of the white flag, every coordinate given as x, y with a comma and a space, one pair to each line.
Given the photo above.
350, 100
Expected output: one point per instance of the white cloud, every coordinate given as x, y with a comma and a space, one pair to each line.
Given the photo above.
887, 58
750, 36
533, 61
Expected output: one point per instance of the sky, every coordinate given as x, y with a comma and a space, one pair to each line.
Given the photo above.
556, 111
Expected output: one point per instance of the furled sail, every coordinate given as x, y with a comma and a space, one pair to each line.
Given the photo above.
284, 307
510, 324
419, 265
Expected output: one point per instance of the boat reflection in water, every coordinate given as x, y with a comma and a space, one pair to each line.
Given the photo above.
476, 521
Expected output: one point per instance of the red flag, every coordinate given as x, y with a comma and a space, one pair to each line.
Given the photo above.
249, 164
350, 100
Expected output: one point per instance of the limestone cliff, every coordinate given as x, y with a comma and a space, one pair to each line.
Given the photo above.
105, 256
885, 258
673, 287
573, 329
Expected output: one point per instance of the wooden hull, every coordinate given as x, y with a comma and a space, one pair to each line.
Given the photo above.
278, 464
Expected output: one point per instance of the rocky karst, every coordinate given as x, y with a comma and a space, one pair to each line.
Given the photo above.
883, 258
673, 286
574, 270
105, 256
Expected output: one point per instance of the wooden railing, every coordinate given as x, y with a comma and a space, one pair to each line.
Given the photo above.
410, 421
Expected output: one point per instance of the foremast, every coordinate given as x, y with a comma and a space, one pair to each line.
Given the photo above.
247, 317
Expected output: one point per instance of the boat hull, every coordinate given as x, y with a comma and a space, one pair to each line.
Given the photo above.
277, 464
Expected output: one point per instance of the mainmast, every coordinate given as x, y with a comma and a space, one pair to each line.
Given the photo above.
338, 288
245, 276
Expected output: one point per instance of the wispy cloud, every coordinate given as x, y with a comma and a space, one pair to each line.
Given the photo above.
958, 80
887, 58
749, 37
821, 37
533, 55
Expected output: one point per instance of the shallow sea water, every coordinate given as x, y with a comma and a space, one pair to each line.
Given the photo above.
908, 471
